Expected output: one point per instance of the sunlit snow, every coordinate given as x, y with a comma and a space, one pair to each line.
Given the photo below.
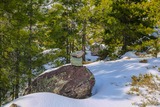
110, 90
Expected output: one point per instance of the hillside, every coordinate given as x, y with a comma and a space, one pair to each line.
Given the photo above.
113, 82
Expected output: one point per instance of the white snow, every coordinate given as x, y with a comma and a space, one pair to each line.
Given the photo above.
156, 33
50, 51
110, 90
129, 54
49, 65
89, 57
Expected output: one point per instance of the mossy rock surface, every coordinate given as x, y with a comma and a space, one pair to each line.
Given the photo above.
71, 81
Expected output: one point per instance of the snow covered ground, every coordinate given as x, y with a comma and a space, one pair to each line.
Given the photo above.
110, 90
89, 57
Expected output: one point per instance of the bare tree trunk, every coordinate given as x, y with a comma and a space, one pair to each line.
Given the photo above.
1, 38
17, 74
157, 48
30, 44
13, 92
0, 68
67, 51
0, 95
84, 39
124, 47
17, 61
72, 46
17, 86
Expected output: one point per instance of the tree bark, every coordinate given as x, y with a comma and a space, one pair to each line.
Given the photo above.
157, 48
67, 51
17, 61
124, 47
0, 68
13, 92
30, 44
17, 74
84, 39
1, 38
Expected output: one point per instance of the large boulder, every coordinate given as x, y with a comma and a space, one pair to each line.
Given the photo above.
71, 81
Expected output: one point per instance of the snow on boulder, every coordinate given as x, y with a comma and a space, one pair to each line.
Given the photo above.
129, 54
71, 81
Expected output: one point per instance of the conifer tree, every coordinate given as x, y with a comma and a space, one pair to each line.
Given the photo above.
14, 48
131, 20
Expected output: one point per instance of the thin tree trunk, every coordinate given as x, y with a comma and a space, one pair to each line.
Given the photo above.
0, 98
13, 92
1, 38
30, 45
0, 68
0, 95
17, 74
124, 47
67, 51
72, 48
17, 56
84, 39
156, 46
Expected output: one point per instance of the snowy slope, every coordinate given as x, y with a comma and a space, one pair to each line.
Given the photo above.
110, 89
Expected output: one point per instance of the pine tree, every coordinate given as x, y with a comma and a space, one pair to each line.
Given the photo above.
14, 45
131, 20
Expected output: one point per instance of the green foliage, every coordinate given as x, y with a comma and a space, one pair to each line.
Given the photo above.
103, 54
15, 47
108, 53
27, 28
4, 84
131, 21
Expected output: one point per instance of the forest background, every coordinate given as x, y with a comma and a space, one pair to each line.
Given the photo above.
29, 27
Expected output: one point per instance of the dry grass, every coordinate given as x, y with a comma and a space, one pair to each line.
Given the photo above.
87, 62
146, 86
159, 69
143, 61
